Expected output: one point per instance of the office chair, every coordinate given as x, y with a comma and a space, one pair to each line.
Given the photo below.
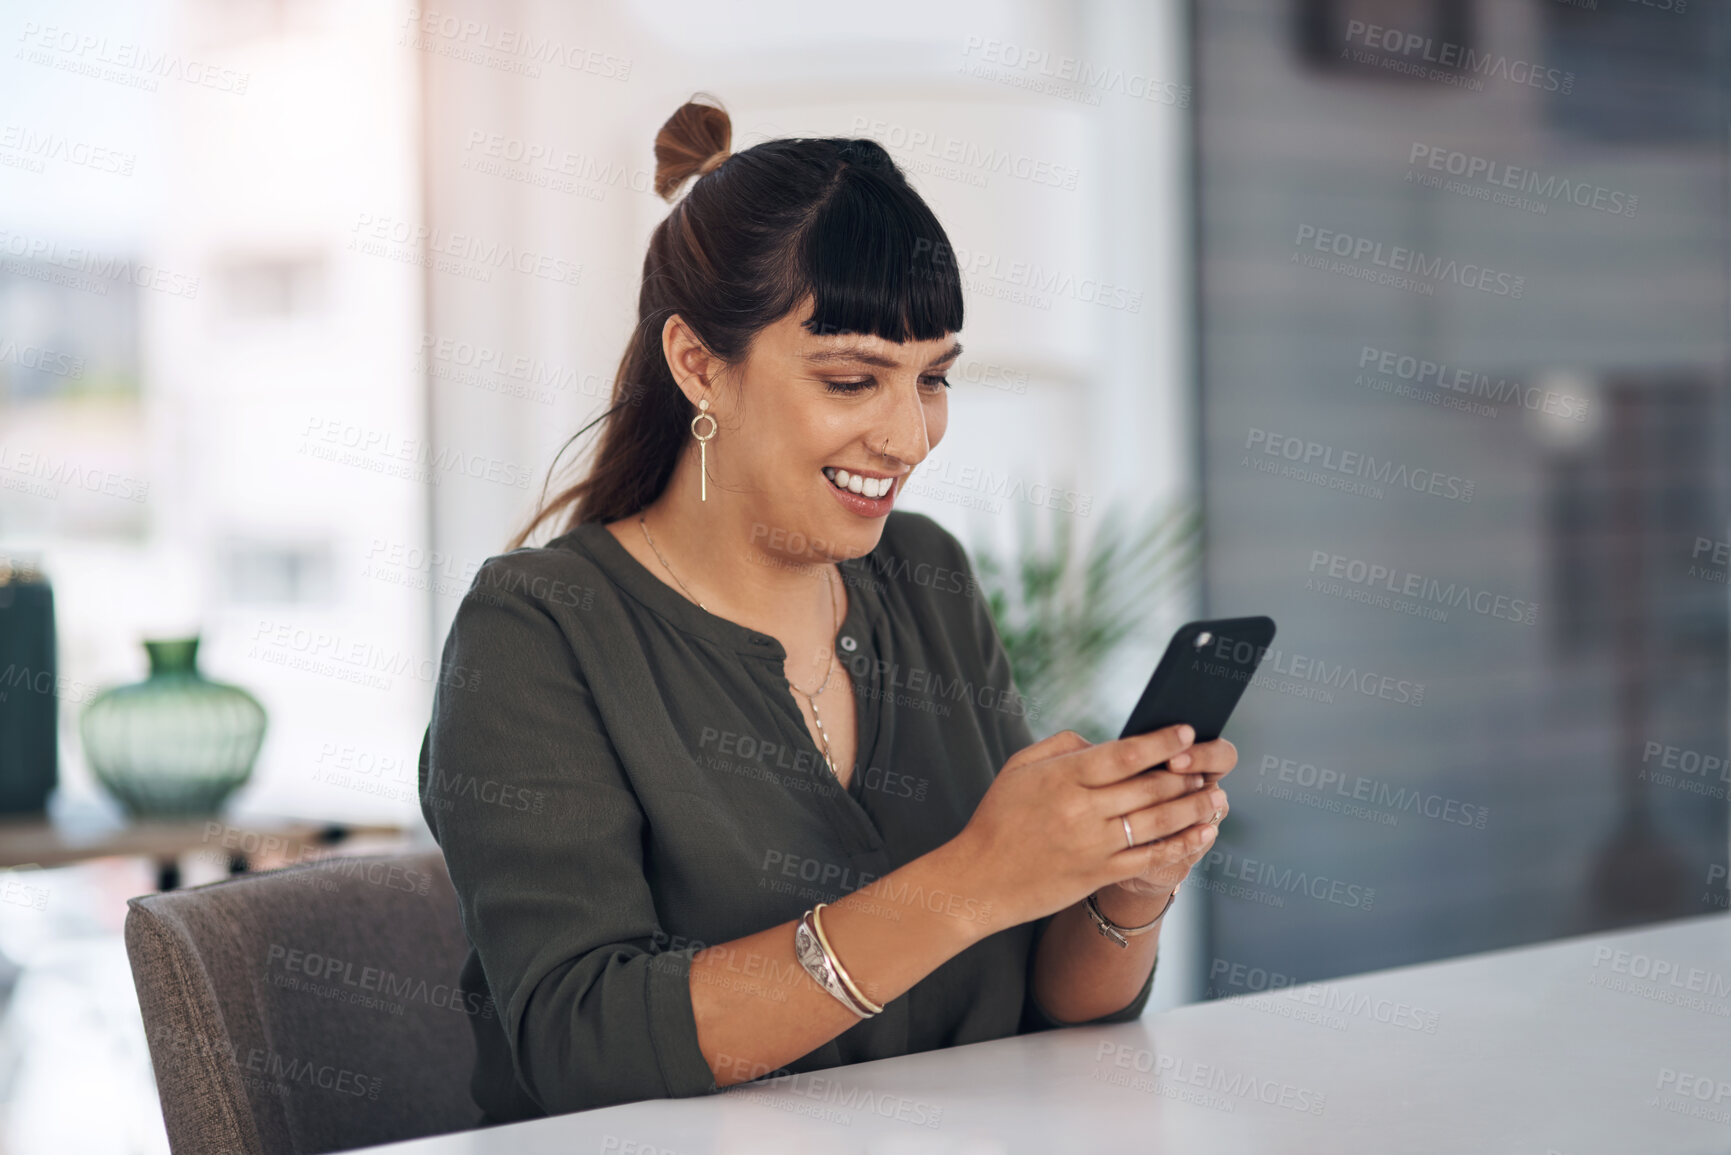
308, 1009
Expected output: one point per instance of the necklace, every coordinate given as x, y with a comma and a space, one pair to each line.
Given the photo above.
829, 666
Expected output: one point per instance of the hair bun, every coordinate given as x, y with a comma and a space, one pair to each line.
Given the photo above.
696, 139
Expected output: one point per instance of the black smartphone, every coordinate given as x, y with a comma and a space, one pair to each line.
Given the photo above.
1201, 676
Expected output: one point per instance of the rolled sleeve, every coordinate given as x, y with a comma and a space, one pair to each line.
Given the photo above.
544, 838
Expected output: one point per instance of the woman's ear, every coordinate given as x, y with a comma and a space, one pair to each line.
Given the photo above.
695, 369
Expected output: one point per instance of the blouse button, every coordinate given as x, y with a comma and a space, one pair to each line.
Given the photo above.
848, 644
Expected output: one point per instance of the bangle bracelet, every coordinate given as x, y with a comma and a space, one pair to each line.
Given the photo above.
1117, 933
821, 967
841, 971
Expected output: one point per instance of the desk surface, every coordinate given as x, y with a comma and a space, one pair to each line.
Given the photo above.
1616, 1043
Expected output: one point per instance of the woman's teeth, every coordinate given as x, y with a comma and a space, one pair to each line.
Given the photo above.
854, 483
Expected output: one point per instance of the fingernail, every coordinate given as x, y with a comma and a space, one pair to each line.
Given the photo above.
1208, 833
1187, 734
1196, 782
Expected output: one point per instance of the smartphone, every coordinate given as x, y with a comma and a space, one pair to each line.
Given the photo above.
1201, 676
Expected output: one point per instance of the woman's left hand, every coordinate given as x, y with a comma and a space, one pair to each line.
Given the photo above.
1204, 764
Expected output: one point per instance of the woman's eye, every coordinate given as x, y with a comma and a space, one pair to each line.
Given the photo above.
931, 383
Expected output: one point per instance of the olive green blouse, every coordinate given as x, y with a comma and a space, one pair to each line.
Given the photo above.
619, 778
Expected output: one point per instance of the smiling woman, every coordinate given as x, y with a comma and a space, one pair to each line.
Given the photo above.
793, 815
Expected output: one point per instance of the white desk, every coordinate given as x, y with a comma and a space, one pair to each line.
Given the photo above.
1557, 1048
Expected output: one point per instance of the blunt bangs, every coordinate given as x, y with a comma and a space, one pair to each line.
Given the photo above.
875, 261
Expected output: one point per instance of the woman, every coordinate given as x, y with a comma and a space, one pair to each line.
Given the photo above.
731, 776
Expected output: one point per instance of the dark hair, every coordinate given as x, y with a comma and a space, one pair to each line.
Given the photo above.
759, 232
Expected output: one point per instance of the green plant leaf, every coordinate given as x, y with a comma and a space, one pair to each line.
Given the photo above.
1064, 609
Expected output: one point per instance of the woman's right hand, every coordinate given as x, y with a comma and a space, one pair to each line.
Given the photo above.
1048, 832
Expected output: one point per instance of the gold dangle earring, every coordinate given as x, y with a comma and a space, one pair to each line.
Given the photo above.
703, 445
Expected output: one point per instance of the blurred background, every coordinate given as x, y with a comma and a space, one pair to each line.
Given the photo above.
1401, 321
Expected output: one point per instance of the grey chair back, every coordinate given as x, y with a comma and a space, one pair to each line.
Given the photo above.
309, 1009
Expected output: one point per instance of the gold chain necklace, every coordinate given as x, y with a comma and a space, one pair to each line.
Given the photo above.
829, 667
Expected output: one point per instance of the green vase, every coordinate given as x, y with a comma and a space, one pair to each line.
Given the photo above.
175, 745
